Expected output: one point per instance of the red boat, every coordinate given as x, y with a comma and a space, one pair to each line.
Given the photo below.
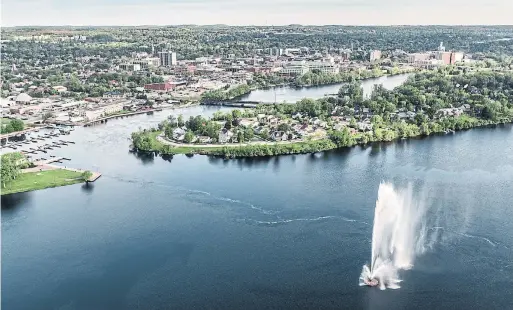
371, 282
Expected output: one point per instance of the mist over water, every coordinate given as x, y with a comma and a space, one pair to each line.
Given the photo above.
399, 235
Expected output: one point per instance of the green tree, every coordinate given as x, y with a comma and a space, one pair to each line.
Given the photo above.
342, 138
180, 120
17, 124
8, 128
189, 136
236, 114
86, 175
11, 165
264, 134
248, 134
376, 120
284, 127
240, 136
424, 129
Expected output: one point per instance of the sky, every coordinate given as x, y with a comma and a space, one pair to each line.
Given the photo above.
255, 12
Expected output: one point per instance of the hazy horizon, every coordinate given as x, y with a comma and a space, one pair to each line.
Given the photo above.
251, 13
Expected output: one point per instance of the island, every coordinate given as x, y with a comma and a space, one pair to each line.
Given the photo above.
434, 102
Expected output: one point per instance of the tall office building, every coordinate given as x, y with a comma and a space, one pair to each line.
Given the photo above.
275, 51
167, 59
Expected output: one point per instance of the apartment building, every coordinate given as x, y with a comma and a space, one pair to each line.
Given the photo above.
167, 59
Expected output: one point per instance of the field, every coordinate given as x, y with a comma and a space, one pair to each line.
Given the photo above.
40, 180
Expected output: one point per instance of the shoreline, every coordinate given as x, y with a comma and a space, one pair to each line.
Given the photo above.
46, 175
233, 151
39, 180
237, 102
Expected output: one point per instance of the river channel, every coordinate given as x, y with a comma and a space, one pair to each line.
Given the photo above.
292, 94
289, 232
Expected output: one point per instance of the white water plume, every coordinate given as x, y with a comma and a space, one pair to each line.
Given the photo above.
398, 236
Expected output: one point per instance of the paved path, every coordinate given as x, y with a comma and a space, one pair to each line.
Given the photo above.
164, 140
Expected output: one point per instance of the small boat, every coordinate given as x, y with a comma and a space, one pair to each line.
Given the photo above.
371, 282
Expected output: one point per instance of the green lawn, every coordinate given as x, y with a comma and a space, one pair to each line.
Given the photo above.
157, 145
40, 180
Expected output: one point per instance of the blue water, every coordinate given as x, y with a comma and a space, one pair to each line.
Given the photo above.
270, 233
292, 94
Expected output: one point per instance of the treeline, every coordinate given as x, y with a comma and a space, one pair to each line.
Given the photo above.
488, 94
268, 80
344, 138
146, 141
12, 163
13, 125
226, 94
192, 41
274, 149
316, 77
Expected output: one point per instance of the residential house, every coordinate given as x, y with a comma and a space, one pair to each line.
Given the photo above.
224, 135
60, 89
204, 139
178, 134
449, 112
339, 126
273, 120
23, 98
113, 94
247, 123
279, 136
363, 126
314, 121
259, 129
366, 112
262, 118
297, 116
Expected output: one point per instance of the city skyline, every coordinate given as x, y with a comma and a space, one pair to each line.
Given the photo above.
245, 12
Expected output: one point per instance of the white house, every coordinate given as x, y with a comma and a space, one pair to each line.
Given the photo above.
364, 126
225, 135
178, 132
204, 139
279, 136
23, 98
60, 89
247, 123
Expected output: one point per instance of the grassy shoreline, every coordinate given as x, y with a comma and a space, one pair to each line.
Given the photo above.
32, 181
300, 147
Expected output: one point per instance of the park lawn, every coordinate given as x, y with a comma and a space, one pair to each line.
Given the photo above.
157, 145
32, 181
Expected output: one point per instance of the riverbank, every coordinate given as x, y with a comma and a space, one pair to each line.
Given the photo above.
291, 93
31, 181
328, 80
162, 146
337, 139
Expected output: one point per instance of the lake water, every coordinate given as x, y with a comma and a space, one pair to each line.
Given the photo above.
289, 232
292, 94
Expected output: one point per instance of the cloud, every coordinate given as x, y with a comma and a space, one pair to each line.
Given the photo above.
262, 12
